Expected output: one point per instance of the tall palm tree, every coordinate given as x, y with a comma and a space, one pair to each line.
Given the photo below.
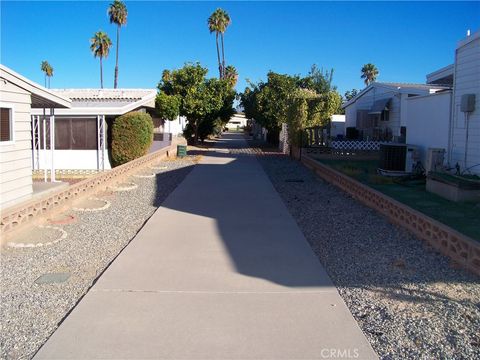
48, 70
100, 45
214, 25
225, 22
118, 15
369, 73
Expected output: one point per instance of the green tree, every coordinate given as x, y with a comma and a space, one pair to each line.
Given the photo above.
118, 15
218, 23
350, 94
231, 75
48, 70
201, 99
100, 45
214, 25
369, 73
167, 106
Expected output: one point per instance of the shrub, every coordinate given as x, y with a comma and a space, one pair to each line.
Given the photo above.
132, 135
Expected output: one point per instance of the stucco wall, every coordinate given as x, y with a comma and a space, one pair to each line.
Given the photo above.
466, 81
16, 157
427, 122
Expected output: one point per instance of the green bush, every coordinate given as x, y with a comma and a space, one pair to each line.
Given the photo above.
132, 136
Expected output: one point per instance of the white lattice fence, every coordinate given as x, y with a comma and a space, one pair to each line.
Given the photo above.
356, 145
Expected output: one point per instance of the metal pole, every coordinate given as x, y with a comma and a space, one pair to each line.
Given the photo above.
98, 142
44, 146
52, 144
103, 142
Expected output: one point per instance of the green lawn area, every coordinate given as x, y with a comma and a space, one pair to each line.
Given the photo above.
464, 217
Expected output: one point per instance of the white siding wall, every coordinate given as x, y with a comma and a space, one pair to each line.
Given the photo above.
466, 81
16, 158
427, 121
175, 127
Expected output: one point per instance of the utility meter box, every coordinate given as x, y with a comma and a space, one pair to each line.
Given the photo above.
467, 103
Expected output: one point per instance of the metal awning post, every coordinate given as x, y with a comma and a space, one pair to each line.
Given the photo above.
103, 142
44, 146
52, 144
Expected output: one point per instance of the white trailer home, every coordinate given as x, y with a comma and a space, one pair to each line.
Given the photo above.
82, 132
378, 112
20, 96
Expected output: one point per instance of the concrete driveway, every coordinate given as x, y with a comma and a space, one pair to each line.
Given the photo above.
220, 271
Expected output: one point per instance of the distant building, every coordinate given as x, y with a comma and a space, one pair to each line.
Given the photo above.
237, 122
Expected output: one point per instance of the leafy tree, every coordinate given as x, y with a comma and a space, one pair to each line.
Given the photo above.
350, 94
118, 15
100, 45
201, 99
369, 73
167, 106
48, 70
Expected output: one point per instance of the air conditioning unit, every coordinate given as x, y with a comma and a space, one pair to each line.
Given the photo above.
435, 158
398, 157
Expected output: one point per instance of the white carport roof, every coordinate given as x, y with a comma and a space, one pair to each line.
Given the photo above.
106, 101
41, 97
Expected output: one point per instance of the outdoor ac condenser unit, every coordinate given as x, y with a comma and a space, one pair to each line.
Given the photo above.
435, 158
398, 157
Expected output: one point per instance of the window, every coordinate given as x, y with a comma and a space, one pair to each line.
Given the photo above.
6, 124
72, 133
385, 115
75, 134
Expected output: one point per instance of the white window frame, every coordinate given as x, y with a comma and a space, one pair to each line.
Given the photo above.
10, 106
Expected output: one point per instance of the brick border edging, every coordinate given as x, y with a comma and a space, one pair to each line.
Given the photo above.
459, 247
29, 211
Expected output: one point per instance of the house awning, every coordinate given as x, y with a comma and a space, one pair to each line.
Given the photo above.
379, 106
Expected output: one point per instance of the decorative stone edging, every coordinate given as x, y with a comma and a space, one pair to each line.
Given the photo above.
104, 207
31, 245
145, 176
157, 167
459, 247
30, 211
127, 186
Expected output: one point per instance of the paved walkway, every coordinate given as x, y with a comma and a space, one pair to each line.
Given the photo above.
220, 271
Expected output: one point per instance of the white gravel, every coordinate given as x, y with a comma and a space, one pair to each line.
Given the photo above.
29, 313
410, 302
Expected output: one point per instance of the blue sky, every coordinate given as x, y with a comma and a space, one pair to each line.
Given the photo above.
405, 40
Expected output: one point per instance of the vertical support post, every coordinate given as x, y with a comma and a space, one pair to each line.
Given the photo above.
98, 142
103, 142
44, 146
52, 144
34, 142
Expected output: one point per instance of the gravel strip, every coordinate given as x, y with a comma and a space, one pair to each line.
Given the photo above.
30, 312
410, 302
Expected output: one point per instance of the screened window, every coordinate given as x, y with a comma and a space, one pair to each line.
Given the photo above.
75, 134
72, 133
6, 126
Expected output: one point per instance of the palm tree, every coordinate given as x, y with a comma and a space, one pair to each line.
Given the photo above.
369, 73
214, 25
231, 75
118, 15
100, 45
48, 70
225, 22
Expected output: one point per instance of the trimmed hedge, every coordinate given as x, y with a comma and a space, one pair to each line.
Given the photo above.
132, 136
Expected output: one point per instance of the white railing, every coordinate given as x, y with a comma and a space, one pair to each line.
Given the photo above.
356, 145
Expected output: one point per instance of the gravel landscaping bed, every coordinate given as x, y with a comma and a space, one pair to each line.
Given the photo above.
410, 301
30, 311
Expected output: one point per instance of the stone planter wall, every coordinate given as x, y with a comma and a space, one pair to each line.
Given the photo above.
32, 211
460, 248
